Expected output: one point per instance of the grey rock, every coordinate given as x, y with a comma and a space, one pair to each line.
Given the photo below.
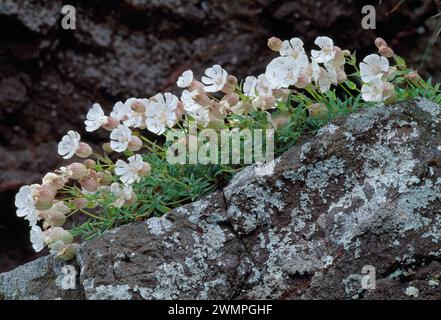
361, 196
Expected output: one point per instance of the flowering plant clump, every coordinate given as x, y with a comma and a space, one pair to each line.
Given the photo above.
132, 179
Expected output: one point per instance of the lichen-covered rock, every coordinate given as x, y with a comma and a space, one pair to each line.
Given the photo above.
352, 212
44, 278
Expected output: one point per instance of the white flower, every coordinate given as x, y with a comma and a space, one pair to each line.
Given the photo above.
373, 91
37, 238
95, 118
293, 48
120, 111
185, 79
135, 119
161, 113
69, 144
129, 172
263, 86
122, 192
282, 72
193, 109
372, 67
322, 77
120, 138
215, 78
327, 52
337, 63
249, 86
24, 201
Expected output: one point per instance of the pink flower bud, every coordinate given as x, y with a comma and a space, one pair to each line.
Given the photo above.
341, 76
388, 89
269, 102
179, 110
318, 110
57, 234
196, 86
232, 80
84, 150
89, 163
275, 44
231, 99
89, 183
68, 252
105, 178
386, 52
412, 76
146, 169
138, 107
202, 99
77, 170
53, 180
379, 42
133, 199
135, 144
303, 81
80, 203
111, 124
44, 197
55, 219
106, 147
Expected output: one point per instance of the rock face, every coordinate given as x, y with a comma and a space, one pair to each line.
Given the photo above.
361, 197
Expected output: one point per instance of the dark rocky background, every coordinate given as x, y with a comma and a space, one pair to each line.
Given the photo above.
49, 77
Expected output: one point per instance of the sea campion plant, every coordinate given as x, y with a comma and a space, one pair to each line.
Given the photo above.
298, 93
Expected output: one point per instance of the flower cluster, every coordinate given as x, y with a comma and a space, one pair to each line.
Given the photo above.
374, 71
97, 184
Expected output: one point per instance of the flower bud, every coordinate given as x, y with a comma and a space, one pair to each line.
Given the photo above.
341, 75
280, 120
412, 76
302, 81
80, 203
55, 219
57, 234
133, 199
44, 197
146, 169
138, 107
232, 80
202, 99
53, 180
135, 144
106, 147
228, 88
77, 170
231, 99
89, 184
84, 150
379, 42
346, 53
196, 86
386, 52
275, 44
68, 252
105, 178
89, 163
179, 110
111, 124
268, 102
318, 110
388, 89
